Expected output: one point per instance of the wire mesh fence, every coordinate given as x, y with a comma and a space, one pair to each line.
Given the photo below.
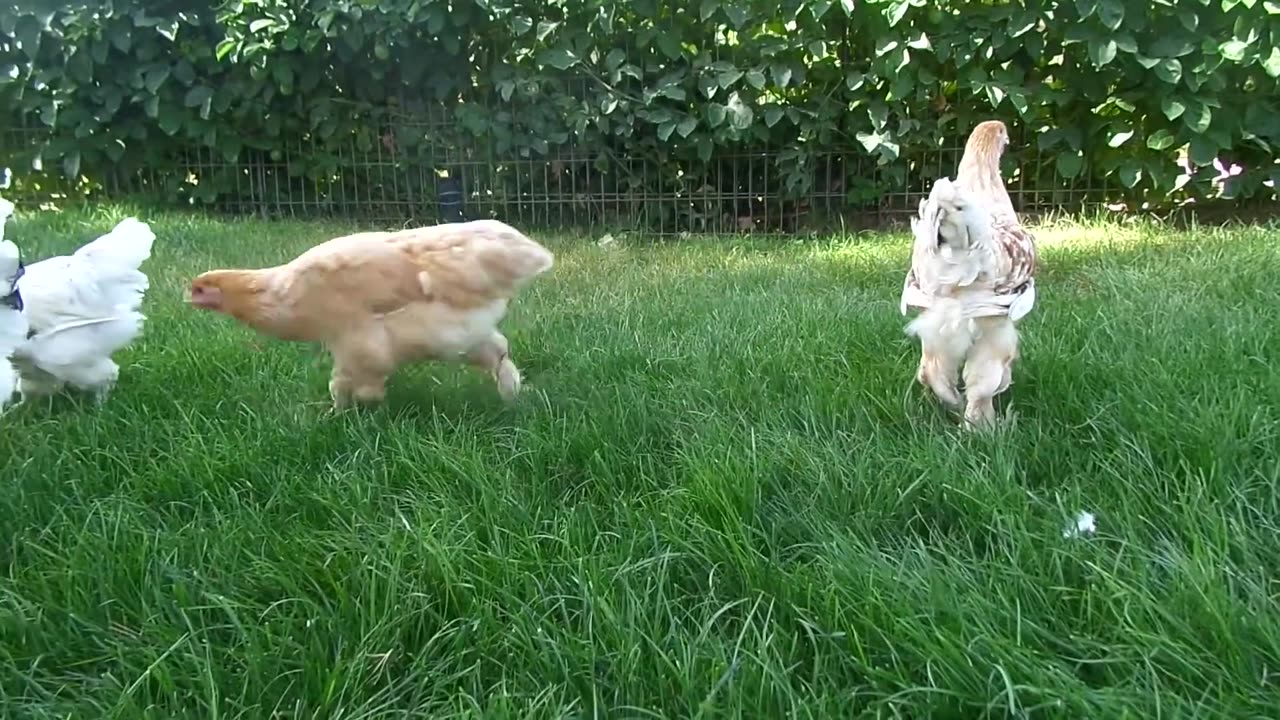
413, 169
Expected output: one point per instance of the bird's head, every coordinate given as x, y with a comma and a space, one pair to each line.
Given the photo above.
206, 292
989, 138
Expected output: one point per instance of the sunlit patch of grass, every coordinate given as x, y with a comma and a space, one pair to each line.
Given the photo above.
720, 494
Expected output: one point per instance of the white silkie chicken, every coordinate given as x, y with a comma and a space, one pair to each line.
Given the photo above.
81, 309
13, 324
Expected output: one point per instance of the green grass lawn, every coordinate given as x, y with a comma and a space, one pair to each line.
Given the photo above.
720, 495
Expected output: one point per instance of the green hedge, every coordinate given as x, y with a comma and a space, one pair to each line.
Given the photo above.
1109, 90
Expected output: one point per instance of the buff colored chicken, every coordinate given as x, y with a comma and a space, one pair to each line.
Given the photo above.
378, 300
972, 276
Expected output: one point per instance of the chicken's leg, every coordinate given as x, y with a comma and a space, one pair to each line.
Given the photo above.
944, 340
97, 377
494, 356
988, 369
939, 372
359, 374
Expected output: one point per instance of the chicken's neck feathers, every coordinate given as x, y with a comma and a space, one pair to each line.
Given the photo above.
979, 175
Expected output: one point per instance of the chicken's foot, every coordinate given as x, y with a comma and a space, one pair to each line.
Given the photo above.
494, 356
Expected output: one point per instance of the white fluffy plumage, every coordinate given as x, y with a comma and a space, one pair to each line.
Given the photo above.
13, 325
82, 308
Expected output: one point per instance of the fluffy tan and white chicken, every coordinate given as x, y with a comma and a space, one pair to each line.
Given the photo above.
82, 308
973, 277
378, 300
13, 324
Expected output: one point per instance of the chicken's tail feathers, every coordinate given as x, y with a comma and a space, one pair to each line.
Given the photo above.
514, 255
124, 249
945, 328
486, 259
116, 259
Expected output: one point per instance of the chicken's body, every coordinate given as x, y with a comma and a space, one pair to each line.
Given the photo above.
82, 308
379, 300
13, 325
973, 277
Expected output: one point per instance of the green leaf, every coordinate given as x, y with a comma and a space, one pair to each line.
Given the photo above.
1019, 100
705, 149
558, 58
1172, 107
1086, 8
520, 24
772, 115
669, 44
1130, 173
197, 95
1272, 64
1102, 51
897, 10
740, 114
870, 141
1171, 45
847, 6
716, 114
737, 15
27, 32
170, 122
224, 48
121, 37
545, 28
708, 86
728, 77
708, 8
1111, 13
260, 24
1169, 70
1120, 138
154, 77
687, 126
1161, 140
1069, 164
615, 58
781, 75
756, 79
665, 129
1198, 117
184, 73
1233, 50
1203, 151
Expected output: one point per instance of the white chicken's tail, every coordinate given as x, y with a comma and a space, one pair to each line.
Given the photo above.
116, 259
951, 218
945, 329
